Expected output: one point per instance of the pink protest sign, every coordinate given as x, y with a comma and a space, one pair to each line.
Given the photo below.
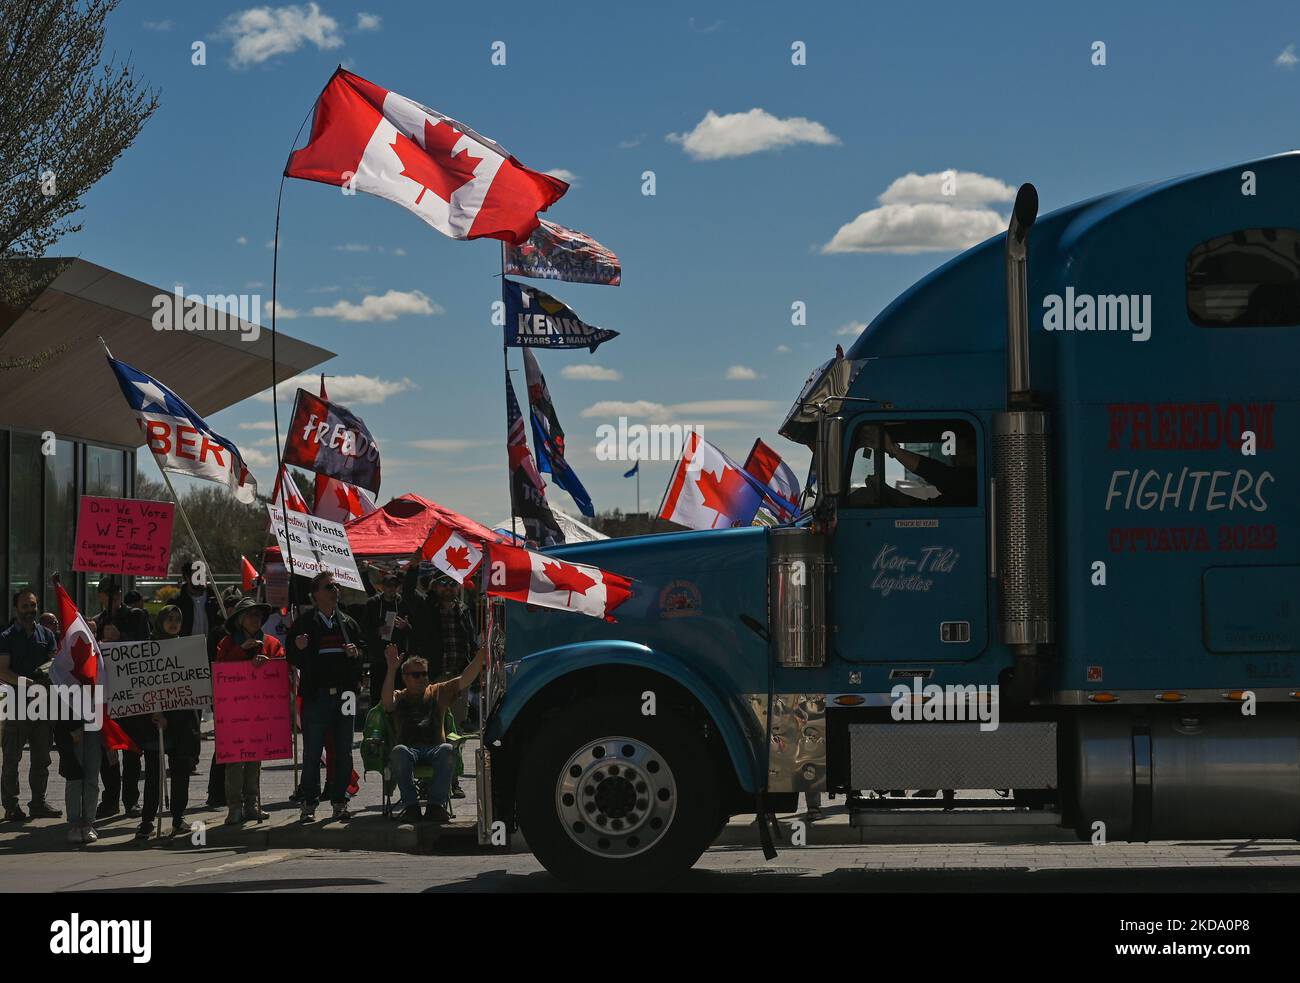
124, 535
250, 705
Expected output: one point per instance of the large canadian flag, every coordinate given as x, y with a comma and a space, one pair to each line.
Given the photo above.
451, 552
709, 490
79, 662
535, 578
366, 138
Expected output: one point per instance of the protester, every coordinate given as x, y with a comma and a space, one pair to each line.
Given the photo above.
246, 640
80, 749
417, 711
387, 619
120, 774
216, 770
325, 652
197, 601
51, 621
26, 649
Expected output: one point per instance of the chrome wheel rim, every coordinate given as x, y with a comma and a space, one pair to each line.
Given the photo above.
616, 797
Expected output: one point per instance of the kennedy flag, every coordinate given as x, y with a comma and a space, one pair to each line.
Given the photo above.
367, 138
548, 436
328, 439
535, 578
535, 319
179, 438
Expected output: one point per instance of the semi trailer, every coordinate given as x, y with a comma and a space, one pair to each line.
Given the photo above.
1050, 570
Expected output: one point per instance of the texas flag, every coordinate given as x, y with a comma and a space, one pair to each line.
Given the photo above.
79, 662
549, 582
466, 186
451, 553
180, 439
765, 464
709, 490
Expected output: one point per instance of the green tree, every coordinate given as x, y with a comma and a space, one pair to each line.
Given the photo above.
66, 116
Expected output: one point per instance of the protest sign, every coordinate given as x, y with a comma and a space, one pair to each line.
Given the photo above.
152, 677
251, 710
124, 535
315, 545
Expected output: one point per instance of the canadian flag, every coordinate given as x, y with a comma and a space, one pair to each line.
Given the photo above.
367, 138
286, 486
709, 490
79, 661
535, 578
451, 553
782, 485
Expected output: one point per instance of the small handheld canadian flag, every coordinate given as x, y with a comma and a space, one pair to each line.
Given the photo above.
451, 553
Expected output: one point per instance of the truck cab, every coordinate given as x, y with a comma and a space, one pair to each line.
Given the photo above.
1050, 572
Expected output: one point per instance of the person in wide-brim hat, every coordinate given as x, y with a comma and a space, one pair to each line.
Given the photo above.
245, 605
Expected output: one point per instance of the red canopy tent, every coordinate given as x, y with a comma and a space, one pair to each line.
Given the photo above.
400, 527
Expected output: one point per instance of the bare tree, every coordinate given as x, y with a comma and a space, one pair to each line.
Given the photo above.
65, 118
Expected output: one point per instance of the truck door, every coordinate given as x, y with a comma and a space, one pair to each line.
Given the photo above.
910, 548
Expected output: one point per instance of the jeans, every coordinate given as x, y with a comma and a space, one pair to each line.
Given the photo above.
81, 795
404, 759
36, 734
323, 720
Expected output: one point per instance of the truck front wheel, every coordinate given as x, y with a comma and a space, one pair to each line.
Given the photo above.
614, 799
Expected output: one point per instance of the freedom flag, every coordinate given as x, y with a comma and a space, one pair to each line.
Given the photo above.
765, 465
535, 319
337, 500
549, 582
709, 490
553, 252
284, 480
179, 438
328, 439
451, 553
366, 138
79, 660
527, 491
548, 436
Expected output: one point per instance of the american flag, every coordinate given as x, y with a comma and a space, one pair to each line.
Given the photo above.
517, 439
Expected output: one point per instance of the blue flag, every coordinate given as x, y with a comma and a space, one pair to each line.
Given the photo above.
633, 471
535, 319
548, 436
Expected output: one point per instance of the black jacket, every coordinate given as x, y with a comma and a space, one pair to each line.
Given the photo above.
330, 671
185, 602
377, 607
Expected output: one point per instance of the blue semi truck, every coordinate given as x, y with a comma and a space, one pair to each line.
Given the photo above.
1050, 573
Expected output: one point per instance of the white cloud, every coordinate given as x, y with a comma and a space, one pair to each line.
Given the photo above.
353, 247
915, 216
399, 251
282, 313
261, 33
631, 142
591, 373
368, 22
703, 28
783, 349
449, 444
568, 177
388, 307
853, 328
741, 373
257, 459
614, 407
261, 425
925, 227
241, 241
254, 285
962, 188
363, 390
158, 25
739, 134
660, 411
1287, 59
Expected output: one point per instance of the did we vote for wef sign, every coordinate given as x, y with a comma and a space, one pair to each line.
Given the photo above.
124, 535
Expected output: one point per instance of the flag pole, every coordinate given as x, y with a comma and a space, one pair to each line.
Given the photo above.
184, 518
505, 362
638, 487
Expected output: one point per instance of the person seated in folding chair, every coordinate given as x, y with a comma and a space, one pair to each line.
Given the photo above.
418, 713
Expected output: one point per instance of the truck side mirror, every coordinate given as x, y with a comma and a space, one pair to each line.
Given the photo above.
830, 455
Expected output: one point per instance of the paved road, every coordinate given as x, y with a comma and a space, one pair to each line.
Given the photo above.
1256, 866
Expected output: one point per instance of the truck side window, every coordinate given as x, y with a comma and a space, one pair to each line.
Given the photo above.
925, 463
1248, 278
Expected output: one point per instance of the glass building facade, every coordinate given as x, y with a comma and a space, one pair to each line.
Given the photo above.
38, 510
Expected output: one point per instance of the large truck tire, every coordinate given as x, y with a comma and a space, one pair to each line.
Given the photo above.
614, 800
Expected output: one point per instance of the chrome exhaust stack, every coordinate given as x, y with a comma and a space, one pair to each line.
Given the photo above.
1022, 519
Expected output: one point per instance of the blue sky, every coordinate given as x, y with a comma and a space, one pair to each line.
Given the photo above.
793, 158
